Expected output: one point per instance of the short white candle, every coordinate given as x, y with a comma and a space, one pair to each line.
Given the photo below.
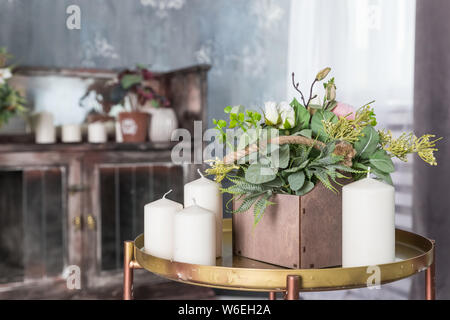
368, 223
159, 218
119, 137
71, 133
195, 233
97, 132
207, 195
44, 128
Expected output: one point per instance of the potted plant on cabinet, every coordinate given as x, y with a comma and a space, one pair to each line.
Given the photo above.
140, 95
287, 170
11, 101
130, 97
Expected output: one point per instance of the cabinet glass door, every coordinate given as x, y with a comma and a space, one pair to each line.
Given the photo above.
124, 190
32, 223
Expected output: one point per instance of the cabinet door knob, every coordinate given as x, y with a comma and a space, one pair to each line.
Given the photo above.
77, 223
91, 222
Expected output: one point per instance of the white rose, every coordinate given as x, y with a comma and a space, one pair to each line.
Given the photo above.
271, 114
287, 114
5, 73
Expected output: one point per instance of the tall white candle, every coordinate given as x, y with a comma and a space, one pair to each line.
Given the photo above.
71, 133
44, 128
207, 195
195, 233
97, 132
159, 218
368, 223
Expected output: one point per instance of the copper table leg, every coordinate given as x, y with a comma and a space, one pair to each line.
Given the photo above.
430, 281
272, 295
292, 287
128, 265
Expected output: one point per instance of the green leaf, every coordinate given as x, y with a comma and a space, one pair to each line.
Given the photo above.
130, 80
296, 180
258, 174
247, 203
382, 175
306, 133
227, 109
222, 123
307, 187
302, 115
367, 143
317, 124
382, 161
276, 183
280, 158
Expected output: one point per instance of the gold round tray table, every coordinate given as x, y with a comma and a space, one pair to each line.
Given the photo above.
414, 254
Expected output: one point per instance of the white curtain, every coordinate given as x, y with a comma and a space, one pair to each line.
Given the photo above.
369, 44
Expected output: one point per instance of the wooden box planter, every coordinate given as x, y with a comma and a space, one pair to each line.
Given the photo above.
297, 232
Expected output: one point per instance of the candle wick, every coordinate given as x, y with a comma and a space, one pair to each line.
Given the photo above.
165, 194
200, 173
368, 172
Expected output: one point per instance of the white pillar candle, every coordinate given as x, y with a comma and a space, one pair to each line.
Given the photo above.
368, 223
71, 133
159, 218
195, 234
44, 128
207, 195
119, 137
97, 132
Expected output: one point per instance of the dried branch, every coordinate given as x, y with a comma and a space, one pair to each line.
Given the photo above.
296, 88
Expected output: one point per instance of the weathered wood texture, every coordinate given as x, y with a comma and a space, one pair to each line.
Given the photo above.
43, 192
297, 232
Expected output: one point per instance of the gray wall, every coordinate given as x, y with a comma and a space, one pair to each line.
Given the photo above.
246, 41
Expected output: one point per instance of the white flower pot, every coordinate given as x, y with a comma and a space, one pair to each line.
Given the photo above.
163, 122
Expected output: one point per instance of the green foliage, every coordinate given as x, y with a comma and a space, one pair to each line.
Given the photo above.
330, 149
317, 123
367, 143
11, 101
302, 116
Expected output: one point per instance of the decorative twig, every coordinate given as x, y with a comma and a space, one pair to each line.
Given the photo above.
310, 92
296, 88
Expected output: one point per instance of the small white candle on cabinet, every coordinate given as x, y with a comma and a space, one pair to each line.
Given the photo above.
97, 132
159, 218
195, 234
207, 195
71, 133
368, 223
44, 129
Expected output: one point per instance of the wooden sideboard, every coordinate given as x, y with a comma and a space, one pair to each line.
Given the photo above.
68, 205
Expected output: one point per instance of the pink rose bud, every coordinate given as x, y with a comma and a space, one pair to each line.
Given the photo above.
344, 110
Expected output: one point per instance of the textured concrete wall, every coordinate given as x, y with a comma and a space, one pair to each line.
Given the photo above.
246, 41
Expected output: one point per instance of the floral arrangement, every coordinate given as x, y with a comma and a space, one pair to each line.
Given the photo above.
290, 147
11, 102
134, 85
